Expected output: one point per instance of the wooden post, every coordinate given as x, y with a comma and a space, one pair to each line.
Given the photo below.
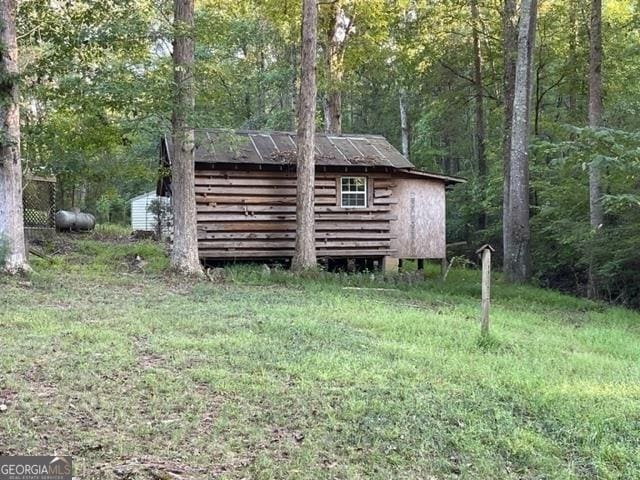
389, 265
444, 268
485, 251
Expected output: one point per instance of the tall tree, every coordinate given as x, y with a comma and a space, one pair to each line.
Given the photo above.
404, 122
337, 28
573, 61
509, 47
184, 255
516, 227
595, 108
305, 253
12, 246
479, 131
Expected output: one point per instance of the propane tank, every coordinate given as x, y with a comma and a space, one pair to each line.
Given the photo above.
75, 220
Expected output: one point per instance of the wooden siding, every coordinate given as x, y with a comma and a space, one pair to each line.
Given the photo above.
420, 231
251, 214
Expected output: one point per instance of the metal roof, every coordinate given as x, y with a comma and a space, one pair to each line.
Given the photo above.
448, 179
279, 148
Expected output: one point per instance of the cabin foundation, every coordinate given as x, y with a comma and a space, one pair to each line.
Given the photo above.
390, 265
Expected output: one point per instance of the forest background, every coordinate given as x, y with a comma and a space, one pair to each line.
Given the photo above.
97, 96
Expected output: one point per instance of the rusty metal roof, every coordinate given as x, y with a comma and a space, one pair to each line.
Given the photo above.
278, 148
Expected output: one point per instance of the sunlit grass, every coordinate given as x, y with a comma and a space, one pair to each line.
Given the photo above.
264, 375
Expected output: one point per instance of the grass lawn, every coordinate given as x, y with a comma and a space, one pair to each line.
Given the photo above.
140, 375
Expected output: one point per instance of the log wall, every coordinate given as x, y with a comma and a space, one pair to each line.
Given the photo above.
251, 214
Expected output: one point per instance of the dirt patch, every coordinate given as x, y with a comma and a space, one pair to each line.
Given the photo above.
7, 398
150, 468
149, 361
286, 435
54, 244
134, 263
146, 468
215, 402
147, 358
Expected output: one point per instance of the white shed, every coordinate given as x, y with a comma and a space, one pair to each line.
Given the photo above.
141, 217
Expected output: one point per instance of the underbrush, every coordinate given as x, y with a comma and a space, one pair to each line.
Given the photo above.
91, 253
111, 231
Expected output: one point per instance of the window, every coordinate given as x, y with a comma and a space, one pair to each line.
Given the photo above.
353, 192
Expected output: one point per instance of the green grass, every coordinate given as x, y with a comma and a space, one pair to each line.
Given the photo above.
112, 230
263, 375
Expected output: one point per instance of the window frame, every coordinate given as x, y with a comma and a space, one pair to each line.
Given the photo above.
364, 193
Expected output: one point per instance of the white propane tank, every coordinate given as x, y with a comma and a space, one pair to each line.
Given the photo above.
75, 221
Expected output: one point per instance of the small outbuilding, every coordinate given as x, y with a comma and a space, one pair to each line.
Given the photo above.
142, 218
371, 202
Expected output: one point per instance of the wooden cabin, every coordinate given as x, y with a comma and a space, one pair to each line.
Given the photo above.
371, 203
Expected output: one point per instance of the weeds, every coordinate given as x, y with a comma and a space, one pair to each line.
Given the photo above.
262, 374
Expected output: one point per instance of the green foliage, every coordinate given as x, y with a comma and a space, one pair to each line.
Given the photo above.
564, 243
98, 87
112, 208
117, 256
111, 231
92, 110
100, 257
161, 212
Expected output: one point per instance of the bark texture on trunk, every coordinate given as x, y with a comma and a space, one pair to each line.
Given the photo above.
595, 108
337, 31
184, 254
305, 251
13, 255
510, 47
294, 87
596, 212
516, 228
404, 123
479, 131
574, 72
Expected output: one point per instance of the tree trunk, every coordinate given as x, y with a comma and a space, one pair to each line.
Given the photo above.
596, 213
516, 228
336, 37
184, 255
333, 108
293, 91
447, 161
81, 193
595, 108
305, 253
538, 97
404, 123
574, 74
13, 255
479, 133
509, 45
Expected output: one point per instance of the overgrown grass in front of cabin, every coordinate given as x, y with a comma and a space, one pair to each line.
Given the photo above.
260, 374
111, 231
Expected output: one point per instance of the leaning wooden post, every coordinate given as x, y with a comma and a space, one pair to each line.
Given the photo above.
485, 251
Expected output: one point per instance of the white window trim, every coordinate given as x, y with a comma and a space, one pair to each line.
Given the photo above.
365, 193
